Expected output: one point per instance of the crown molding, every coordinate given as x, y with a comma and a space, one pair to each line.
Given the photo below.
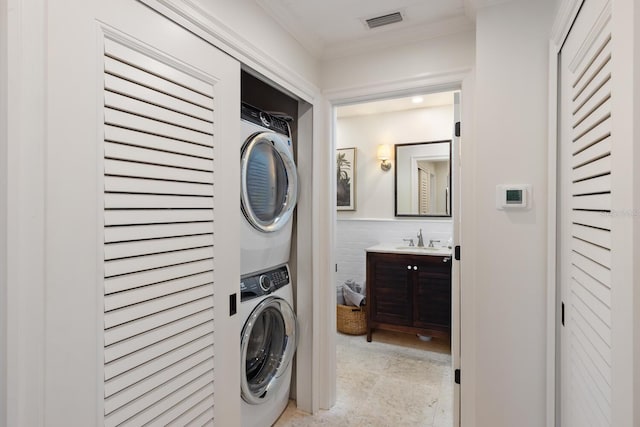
372, 40
191, 16
472, 7
398, 38
283, 16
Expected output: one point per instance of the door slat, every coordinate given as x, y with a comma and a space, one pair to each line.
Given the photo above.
124, 87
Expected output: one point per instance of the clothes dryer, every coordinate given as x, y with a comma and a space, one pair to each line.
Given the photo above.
269, 190
268, 343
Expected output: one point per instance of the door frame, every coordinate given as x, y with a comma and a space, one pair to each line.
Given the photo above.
454, 80
565, 17
22, 204
4, 86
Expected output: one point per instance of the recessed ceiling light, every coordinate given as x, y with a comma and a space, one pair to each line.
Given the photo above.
417, 99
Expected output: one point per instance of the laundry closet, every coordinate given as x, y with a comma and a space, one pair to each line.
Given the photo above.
136, 304
269, 194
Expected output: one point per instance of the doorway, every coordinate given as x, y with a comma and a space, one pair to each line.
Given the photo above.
365, 125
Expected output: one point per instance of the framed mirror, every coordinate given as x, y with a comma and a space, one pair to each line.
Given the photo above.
423, 179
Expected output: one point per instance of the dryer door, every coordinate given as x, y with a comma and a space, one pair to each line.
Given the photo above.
268, 342
269, 181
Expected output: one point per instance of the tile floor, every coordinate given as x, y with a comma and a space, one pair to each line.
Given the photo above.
395, 380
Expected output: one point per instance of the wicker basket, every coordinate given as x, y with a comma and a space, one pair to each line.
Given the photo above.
351, 320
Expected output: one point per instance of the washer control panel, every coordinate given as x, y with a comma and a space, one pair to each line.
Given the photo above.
263, 283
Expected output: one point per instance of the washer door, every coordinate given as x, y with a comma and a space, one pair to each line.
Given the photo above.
269, 181
268, 342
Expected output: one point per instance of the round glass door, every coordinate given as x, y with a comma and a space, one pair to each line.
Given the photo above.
269, 182
268, 343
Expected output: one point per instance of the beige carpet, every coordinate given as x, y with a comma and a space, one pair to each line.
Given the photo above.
395, 380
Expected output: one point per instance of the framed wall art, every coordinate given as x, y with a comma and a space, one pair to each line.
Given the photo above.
346, 179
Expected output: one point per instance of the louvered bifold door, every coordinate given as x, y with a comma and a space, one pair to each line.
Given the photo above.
158, 241
586, 144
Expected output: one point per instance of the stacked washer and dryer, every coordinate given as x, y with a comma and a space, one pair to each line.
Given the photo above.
270, 333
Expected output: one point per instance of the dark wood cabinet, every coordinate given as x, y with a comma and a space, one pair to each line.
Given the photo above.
409, 293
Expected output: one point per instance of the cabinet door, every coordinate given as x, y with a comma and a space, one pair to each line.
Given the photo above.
390, 290
432, 296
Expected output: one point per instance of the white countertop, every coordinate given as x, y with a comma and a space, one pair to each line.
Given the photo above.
395, 248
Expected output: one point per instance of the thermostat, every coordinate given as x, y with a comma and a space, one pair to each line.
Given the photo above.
512, 196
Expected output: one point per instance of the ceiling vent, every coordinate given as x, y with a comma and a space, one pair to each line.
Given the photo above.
379, 21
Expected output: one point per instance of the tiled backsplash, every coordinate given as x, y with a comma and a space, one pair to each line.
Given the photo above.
354, 236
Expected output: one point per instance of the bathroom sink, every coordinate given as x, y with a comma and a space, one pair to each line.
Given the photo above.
406, 249
424, 249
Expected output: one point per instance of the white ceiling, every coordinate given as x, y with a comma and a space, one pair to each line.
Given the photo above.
334, 28
395, 104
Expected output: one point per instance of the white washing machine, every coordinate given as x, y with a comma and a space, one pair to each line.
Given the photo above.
268, 343
269, 190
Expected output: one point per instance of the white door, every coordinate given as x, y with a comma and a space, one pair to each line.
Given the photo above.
584, 219
142, 221
424, 191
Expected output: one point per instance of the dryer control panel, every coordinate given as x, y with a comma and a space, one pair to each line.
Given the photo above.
263, 283
264, 119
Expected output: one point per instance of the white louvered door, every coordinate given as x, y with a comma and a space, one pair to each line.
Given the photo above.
170, 207
584, 203
424, 191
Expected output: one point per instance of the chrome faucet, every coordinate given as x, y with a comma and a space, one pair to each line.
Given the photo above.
431, 242
420, 241
410, 241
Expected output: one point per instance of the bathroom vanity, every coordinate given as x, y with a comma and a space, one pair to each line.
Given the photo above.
409, 290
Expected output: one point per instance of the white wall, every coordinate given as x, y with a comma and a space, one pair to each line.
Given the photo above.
504, 262
375, 187
427, 57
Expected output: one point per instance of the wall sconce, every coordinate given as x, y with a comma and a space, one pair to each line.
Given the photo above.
384, 154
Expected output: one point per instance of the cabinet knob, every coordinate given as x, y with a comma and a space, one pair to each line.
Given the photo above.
415, 267
408, 267
446, 259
